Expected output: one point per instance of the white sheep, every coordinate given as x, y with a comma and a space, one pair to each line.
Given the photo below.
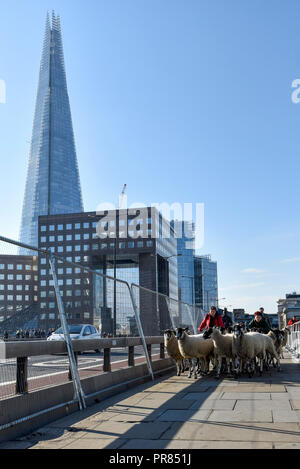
273, 345
171, 345
193, 347
247, 346
222, 345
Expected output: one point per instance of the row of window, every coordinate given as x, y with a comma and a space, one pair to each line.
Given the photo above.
17, 298
87, 236
44, 294
17, 267
45, 316
96, 247
68, 305
17, 277
88, 225
21, 287
68, 281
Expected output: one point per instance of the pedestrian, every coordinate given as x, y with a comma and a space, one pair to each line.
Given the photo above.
5, 335
212, 319
17, 334
259, 323
264, 315
226, 319
292, 321
27, 334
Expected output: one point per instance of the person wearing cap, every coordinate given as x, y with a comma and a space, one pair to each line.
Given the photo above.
212, 319
259, 323
264, 315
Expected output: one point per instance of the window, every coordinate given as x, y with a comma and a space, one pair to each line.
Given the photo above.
19, 266
28, 277
77, 292
10, 297
51, 227
51, 239
60, 271
43, 261
77, 226
28, 267
77, 259
69, 238
51, 305
19, 277
77, 237
69, 248
43, 283
69, 226
77, 281
121, 245
43, 228
43, 294
69, 271
60, 249
86, 315
140, 244
19, 287
69, 281
60, 238
19, 297
43, 272
1, 297
51, 315
95, 223
2, 266
131, 244
2, 277
86, 247
77, 247
60, 227
10, 287
69, 293
1, 287
86, 236
10, 267
86, 225
10, 277
149, 244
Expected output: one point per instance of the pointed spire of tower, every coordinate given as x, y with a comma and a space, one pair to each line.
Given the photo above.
52, 183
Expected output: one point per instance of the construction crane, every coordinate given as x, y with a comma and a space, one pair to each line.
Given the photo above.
121, 197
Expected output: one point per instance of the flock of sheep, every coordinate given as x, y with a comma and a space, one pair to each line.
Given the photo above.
235, 352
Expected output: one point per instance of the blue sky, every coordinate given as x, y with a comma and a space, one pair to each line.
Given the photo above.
183, 102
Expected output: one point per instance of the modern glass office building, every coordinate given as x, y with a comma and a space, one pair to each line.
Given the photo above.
52, 184
206, 282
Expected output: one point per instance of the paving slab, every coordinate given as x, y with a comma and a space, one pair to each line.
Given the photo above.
295, 403
263, 404
184, 415
241, 416
281, 415
187, 444
233, 431
95, 443
213, 404
287, 446
202, 396
127, 430
246, 395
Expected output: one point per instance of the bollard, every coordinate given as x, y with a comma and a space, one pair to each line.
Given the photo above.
131, 356
106, 364
22, 371
162, 351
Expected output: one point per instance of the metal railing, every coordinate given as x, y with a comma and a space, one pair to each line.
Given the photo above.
119, 306
293, 343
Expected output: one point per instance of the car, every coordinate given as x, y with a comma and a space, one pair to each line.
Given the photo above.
77, 332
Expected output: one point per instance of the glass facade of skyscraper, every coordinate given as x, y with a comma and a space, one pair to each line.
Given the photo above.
52, 184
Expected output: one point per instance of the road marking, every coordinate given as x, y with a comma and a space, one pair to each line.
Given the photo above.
63, 372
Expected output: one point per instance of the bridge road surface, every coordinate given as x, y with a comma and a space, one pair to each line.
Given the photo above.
49, 370
177, 412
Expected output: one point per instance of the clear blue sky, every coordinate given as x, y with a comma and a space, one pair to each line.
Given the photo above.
184, 102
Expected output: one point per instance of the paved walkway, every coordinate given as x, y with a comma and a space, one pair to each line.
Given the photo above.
177, 412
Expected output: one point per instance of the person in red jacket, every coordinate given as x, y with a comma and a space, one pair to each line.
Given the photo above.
292, 321
213, 318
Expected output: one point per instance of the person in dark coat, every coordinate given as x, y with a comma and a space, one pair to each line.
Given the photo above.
259, 323
226, 319
212, 319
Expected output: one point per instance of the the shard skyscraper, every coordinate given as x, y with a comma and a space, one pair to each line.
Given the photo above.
52, 184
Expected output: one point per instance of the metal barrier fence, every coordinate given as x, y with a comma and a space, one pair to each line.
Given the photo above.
47, 289
293, 343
